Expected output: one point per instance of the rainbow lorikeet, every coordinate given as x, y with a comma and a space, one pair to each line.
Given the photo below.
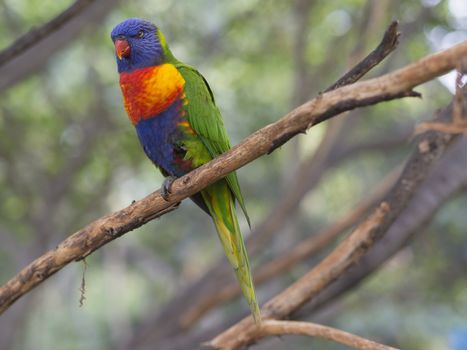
180, 128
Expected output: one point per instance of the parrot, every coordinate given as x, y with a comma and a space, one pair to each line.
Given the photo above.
180, 128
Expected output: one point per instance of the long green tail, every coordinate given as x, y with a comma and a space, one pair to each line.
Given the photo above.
220, 202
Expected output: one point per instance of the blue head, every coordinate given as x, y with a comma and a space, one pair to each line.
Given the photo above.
137, 44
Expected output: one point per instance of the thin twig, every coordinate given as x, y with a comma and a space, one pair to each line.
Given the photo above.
82, 288
274, 327
386, 46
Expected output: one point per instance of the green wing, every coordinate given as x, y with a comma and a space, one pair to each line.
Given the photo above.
206, 120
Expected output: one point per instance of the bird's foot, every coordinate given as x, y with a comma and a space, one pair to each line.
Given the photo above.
167, 187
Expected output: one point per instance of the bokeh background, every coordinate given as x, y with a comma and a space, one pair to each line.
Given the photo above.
69, 155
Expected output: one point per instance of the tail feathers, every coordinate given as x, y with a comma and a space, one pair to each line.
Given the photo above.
245, 279
233, 244
220, 202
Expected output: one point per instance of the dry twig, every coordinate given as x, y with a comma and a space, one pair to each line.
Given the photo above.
385, 47
273, 327
82, 288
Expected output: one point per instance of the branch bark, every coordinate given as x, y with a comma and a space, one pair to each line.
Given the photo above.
387, 45
82, 243
273, 327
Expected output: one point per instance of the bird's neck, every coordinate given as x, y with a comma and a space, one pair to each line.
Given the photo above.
168, 55
147, 92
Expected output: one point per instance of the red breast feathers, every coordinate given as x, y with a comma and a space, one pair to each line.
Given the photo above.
149, 91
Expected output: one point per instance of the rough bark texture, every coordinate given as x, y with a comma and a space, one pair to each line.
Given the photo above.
272, 327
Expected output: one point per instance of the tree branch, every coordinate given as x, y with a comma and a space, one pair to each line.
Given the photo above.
32, 37
29, 52
82, 243
273, 327
435, 191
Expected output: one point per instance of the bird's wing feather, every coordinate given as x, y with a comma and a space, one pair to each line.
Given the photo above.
206, 120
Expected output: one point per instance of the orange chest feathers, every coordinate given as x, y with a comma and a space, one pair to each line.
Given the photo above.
149, 91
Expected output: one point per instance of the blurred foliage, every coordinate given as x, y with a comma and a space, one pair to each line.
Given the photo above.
68, 155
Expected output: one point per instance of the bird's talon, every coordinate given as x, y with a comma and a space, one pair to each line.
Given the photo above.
167, 187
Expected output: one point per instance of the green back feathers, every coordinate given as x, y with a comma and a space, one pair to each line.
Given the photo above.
204, 116
205, 119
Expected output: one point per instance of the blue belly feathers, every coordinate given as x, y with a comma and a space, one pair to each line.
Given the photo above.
158, 136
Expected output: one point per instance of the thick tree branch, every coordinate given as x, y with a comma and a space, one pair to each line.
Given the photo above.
273, 327
82, 243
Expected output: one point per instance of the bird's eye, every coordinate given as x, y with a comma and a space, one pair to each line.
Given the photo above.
140, 34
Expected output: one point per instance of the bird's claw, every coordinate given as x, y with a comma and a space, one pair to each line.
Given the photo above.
167, 187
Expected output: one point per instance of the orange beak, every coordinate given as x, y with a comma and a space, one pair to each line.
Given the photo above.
122, 48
